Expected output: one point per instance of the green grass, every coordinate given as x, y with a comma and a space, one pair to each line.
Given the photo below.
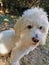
2, 17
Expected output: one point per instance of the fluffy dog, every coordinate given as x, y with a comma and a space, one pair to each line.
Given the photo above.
31, 30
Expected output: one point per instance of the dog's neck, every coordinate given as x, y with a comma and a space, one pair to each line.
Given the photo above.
21, 50
20, 45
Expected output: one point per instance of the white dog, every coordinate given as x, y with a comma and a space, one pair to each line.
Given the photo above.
31, 31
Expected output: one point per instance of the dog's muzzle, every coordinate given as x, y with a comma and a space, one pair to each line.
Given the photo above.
34, 39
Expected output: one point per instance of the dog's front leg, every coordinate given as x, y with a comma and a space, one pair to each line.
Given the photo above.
16, 55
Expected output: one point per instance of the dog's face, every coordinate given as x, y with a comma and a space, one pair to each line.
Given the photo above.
32, 27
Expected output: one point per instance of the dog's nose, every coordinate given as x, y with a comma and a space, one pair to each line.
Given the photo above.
34, 39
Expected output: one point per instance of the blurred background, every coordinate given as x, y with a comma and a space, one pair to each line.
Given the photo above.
10, 11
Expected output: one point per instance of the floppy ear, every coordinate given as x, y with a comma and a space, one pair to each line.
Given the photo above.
18, 26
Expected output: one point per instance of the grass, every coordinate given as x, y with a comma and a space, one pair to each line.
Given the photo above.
3, 17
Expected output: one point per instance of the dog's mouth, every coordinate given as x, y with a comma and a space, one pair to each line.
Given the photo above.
35, 40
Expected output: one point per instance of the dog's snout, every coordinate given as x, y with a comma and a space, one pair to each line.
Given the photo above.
34, 39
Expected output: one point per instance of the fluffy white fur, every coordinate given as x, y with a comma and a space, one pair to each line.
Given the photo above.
6, 41
31, 31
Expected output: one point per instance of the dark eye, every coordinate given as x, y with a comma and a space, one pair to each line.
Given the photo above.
29, 26
40, 27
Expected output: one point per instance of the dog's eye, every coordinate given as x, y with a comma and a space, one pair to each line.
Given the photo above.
29, 26
40, 27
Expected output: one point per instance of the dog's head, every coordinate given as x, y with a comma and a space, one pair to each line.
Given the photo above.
32, 27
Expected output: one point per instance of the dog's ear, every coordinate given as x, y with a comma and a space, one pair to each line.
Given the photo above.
18, 26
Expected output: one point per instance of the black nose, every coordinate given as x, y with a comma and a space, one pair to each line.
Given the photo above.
35, 39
